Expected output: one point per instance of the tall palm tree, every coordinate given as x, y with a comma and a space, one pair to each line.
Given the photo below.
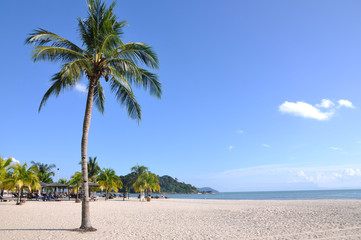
103, 55
4, 167
109, 181
21, 177
44, 171
76, 180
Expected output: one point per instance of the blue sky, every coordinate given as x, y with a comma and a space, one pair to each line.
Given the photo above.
258, 95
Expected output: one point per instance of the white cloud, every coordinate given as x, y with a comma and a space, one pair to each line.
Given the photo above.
307, 110
266, 145
231, 148
325, 103
345, 103
335, 148
240, 131
80, 88
304, 110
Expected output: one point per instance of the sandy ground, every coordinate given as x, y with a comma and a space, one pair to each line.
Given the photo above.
185, 219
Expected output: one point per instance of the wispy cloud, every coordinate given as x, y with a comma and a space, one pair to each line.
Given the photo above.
345, 103
240, 131
325, 103
335, 148
306, 110
80, 88
342, 177
230, 148
266, 145
285, 177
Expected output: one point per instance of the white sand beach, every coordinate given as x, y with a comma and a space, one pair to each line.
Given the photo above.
185, 219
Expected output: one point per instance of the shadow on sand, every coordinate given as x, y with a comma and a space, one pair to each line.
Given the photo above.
42, 229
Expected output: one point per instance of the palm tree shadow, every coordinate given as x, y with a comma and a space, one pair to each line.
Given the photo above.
34, 229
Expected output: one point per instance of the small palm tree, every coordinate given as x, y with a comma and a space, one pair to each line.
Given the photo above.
103, 55
109, 181
152, 183
146, 182
21, 177
63, 181
75, 180
136, 172
44, 171
4, 174
93, 169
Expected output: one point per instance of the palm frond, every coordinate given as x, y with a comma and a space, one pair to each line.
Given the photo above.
126, 98
54, 54
110, 42
55, 89
138, 53
150, 81
40, 37
99, 97
66, 78
124, 68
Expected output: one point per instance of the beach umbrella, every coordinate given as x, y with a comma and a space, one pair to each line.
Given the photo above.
91, 184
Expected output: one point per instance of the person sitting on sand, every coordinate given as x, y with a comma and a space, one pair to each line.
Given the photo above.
38, 196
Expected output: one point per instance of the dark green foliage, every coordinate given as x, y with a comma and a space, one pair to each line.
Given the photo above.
171, 185
167, 184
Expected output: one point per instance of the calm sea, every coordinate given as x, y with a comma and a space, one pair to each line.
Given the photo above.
277, 195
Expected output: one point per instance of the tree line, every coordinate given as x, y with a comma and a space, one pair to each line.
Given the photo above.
16, 177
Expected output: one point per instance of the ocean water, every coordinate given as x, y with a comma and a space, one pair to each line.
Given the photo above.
275, 195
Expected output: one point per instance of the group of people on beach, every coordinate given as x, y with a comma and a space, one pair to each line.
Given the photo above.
47, 196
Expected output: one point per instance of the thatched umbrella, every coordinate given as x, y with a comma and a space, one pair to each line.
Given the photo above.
42, 184
91, 184
57, 185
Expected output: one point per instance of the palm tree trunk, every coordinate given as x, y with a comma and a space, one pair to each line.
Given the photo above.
21, 194
85, 216
77, 191
18, 201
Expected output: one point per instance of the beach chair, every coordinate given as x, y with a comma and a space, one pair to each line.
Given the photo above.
2, 199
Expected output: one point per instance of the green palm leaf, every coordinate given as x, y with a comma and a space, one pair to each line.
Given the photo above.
126, 98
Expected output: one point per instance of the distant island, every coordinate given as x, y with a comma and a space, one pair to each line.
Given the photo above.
167, 185
207, 190
172, 185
